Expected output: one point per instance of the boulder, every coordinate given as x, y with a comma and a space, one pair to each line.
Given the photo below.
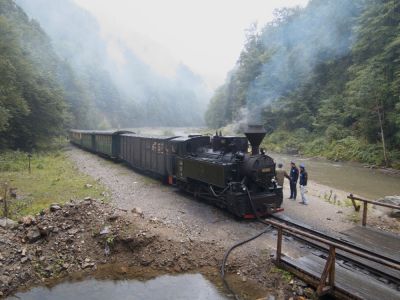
8, 223
395, 200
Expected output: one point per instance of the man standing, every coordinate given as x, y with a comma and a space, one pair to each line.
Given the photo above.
294, 176
303, 184
281, 174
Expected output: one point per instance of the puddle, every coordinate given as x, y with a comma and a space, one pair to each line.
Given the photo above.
186, 286
118, 281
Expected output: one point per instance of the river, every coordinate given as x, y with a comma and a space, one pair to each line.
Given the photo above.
347, 176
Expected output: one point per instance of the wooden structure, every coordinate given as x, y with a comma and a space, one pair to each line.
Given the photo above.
329, 275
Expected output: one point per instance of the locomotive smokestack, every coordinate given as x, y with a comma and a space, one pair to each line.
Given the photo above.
255, 135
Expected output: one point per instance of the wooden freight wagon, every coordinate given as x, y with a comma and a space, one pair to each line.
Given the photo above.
145, 153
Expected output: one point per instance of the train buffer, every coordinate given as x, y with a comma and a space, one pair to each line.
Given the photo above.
361, 263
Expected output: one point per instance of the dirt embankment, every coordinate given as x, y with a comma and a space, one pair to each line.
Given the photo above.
83, 236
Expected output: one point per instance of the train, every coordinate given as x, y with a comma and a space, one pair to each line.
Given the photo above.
218, 169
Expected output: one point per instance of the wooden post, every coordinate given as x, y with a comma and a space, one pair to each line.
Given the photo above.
356, 207
279, 246
365, 211
29, 162
5, 212
329, 272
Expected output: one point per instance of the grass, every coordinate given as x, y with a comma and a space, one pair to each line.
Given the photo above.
53, 179
287, 276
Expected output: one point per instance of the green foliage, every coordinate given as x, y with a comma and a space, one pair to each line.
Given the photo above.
33, 106
325, 79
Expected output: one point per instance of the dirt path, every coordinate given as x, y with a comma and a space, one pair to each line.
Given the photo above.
182, 217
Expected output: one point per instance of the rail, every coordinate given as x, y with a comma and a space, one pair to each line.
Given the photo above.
365, 206
323, 286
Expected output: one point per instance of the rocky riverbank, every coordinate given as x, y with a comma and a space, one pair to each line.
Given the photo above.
86, 235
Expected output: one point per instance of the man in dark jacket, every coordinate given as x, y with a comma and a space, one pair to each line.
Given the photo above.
303, 184
294, 176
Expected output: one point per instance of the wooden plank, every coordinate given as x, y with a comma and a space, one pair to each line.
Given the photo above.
384, 243
349, 281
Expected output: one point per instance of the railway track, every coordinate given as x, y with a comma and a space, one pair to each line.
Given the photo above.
387, 275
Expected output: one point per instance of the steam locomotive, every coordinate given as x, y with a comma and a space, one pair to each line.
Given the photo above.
218, 169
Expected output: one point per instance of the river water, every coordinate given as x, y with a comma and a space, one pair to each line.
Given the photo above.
186, 286
347, 176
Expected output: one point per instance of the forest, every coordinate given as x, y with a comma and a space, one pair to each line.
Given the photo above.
324, 80
56, 74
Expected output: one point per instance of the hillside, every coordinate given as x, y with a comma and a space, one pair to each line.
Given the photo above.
34, 104
324, 80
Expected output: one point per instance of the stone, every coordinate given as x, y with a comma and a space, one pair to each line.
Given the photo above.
38, 251
54, 207
73, 231
137, 211
395, 200
5, 280
33, 235
28, 220
88, 185
105, 230
87, 265
8, 223
113, 217
395, 214
24, 259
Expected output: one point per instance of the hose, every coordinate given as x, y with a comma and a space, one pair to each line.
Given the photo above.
226, 255
226, 258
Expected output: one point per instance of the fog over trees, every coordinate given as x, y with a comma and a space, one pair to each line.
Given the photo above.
325, 80
57, 73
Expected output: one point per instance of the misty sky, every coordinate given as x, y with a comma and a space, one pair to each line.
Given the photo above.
206, 35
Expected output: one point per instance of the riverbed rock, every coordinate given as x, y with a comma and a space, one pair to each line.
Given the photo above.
395, 200
33, 235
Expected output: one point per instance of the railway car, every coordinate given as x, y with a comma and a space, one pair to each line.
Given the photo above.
103, 142
218, 169
146, 153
